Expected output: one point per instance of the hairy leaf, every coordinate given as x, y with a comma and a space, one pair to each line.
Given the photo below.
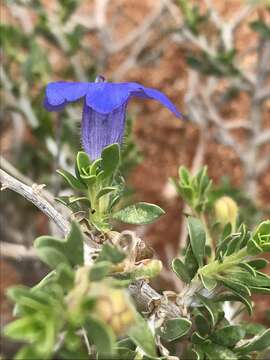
197, 239
181, 271
140, 213
174, 329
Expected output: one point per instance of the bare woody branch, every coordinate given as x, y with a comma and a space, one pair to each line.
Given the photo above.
32, 194
17, 251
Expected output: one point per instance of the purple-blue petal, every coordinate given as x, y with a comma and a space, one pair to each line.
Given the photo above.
59, 93
150, 93
50, 107
100, 130
104, 112
105, 97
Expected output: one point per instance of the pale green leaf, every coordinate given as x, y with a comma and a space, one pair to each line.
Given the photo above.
139, 213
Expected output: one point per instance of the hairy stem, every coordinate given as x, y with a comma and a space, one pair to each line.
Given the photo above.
230, 261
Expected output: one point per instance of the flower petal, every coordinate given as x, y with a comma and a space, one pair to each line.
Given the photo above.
149, 93
100, 130
105, 97
59, 93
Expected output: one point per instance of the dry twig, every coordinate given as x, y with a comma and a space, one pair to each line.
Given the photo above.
33, 195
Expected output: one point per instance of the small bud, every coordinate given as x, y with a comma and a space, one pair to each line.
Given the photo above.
226, 211
114, 307
147, 268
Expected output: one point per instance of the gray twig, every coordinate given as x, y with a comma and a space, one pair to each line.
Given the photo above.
16, 251
33, 194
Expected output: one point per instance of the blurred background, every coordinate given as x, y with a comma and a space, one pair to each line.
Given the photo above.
211, 57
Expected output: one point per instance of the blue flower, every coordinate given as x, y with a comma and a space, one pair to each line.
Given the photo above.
104, 109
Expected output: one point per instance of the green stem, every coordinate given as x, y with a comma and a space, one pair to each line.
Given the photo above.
94, 204
230, 261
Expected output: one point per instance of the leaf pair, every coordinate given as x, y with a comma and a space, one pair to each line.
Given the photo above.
41, 317
194, 189
69, 251
195, 253
260, 241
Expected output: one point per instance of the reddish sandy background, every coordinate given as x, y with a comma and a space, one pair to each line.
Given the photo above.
164, 141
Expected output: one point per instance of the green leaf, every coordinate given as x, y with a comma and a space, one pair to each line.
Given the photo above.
46, 344
239, 288
183, 186
95, 167
100, 335
68, 7
28, 298
228, 336
82, 161
115, 201
89, 180
191, 262
73, 199
45, 281
124, 353
51, 256
110, 159
219, 352
247, 267
174, 329
250, 281
126, 343
110, 253
253, 248
253, 328
26, 352
54, 251
204, 182
143, 338
74, 245
99, 270
187, 193
202, 324
71, 180
233, 246
236, 297
193, 353
139, 213
208, 282
64, 276
260, 290
100, 176
211, 308
75, 207
181, 271
69, 354
197, 239
197, 339
258, 343
184, 175
258, 263
105, 190
23, 329
262, 236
